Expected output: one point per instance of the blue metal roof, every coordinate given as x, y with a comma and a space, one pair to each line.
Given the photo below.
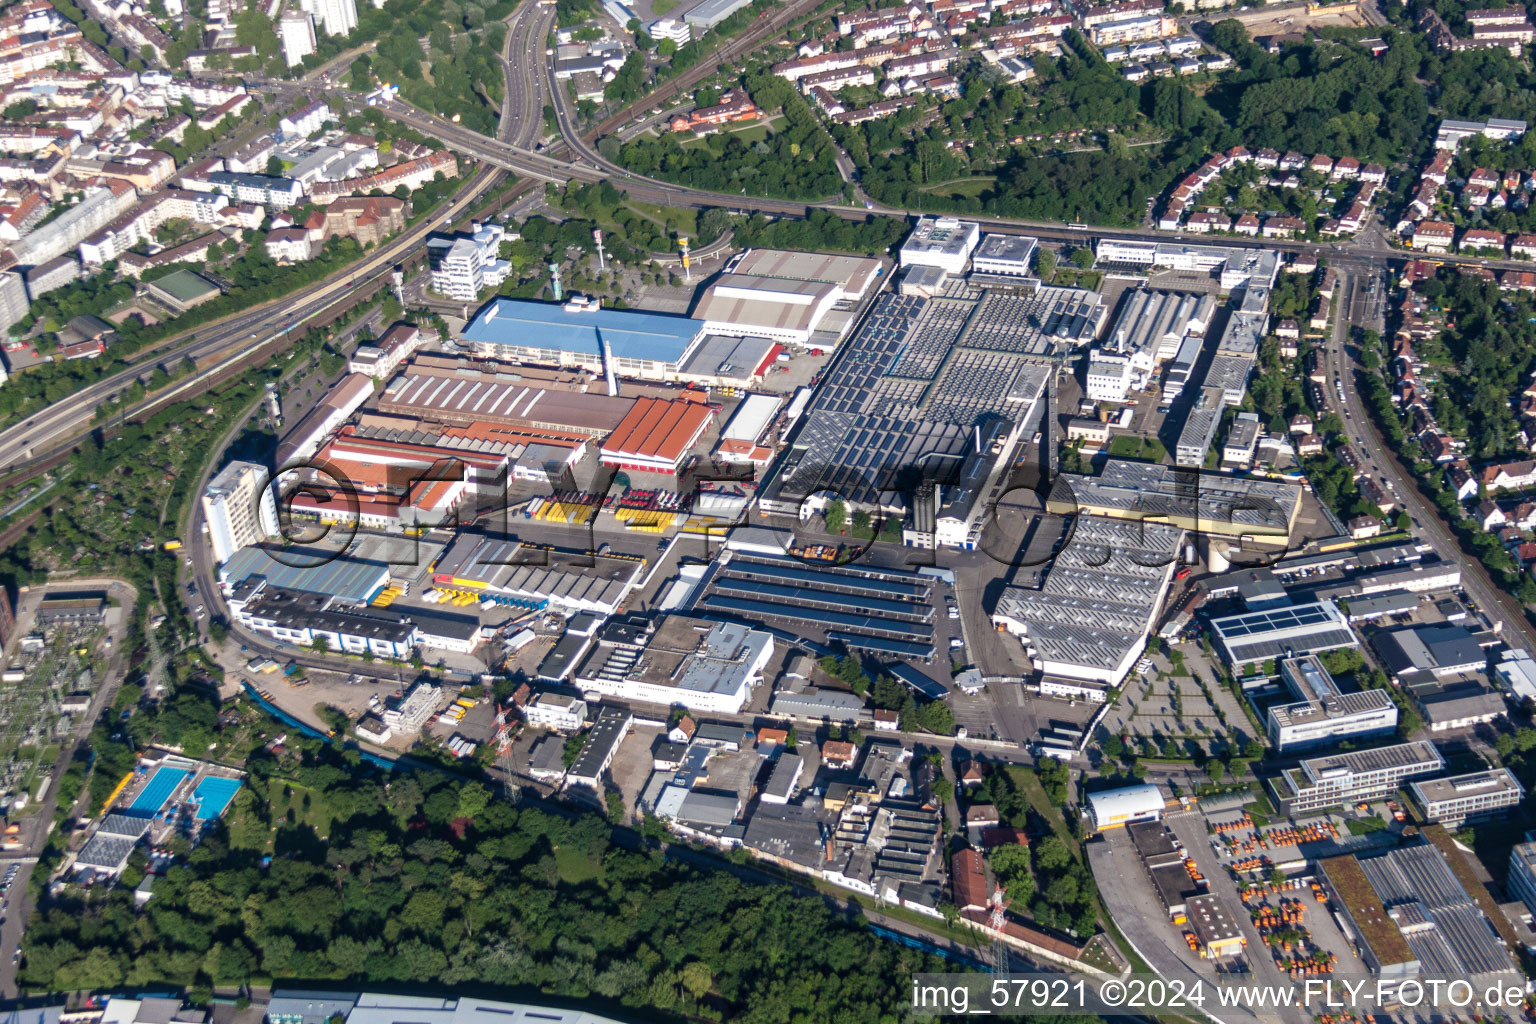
355, 580
631, 334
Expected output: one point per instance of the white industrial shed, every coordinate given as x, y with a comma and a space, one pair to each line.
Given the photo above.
1114, 808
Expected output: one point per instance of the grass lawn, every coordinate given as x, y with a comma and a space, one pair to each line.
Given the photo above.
663, 7
576, 867
1365, 826
1125, 446
962, 188
684, 222
755, 131
317, 815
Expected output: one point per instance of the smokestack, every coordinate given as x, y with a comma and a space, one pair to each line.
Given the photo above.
613, 383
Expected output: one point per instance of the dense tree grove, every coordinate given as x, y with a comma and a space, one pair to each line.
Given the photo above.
822, 230
432, 880
796, 162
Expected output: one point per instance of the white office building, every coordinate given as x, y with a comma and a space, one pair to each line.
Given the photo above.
1341, 780
674, 29
943, 242
415, 709
464, 267
1007, 255
239, 509
296, 31
556, 711
1322, 713
1457, 799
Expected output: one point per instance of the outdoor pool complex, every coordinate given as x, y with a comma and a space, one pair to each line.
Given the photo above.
161, 785
212, 795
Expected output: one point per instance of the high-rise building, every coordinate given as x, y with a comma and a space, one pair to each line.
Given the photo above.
239, 508
337, 17
297, 31
13, 299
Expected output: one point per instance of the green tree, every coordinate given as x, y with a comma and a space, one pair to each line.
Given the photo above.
836, 515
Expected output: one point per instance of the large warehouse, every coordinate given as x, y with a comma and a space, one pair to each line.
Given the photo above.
1210, 504
919, 379
656, 435
784, 310
499, 570
1090, 620
698, 664
853, 275
427, 390
580, 333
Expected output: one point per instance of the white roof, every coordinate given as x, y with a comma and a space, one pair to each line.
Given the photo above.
1127, 800
751, 418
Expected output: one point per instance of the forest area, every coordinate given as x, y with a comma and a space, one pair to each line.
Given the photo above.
431, 879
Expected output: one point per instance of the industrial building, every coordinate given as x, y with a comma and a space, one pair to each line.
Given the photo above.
427, 389
1236, 267
603, 740
497, 569
1242, 439
300, 618
1091, 617
1217, 933
1246, 509
852, 275
1457, 799
582, 334
942, 242
1423, 654
1154, 325
1115, 808
1350, 778
1322, 712
744, 438
697, 664
869, 609
656, 435
1249, 638
1200, 426
777, 308
344, 398
350, 580
1409, 912
949, 385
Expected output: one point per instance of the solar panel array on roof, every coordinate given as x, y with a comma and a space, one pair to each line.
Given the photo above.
874, 625
915, 380
880, 645
813, 597
839, 582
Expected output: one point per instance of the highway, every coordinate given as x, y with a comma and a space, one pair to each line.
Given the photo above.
222, 344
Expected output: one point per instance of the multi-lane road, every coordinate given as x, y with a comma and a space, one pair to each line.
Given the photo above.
221, 345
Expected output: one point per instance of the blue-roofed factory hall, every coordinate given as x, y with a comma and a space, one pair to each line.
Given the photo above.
576, 333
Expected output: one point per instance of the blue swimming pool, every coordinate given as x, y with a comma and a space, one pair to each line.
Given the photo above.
212, 795
154, 796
